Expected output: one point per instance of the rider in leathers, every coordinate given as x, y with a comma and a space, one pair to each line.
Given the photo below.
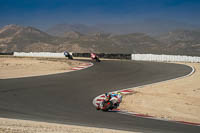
115, 98
93, 55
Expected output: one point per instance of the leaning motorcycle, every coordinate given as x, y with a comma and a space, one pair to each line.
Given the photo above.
97, 59
107, 105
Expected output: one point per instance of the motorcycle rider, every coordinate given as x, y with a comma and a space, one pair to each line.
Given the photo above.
119, 99
94, 57
67, 54
107, 99
115, 98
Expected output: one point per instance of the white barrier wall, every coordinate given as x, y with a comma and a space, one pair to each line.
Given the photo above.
164, 58
138, 57
40, 54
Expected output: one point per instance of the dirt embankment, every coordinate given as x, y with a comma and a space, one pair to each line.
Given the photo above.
16, 67
24, 126
175, 100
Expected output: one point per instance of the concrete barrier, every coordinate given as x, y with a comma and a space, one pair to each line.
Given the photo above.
11, 53
105, 55
137, 57
164, 58
61, 55
40, 54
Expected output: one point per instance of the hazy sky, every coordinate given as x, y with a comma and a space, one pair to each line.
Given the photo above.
45, 13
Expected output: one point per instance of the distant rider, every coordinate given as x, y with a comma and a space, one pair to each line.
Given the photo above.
93, 56
67, 54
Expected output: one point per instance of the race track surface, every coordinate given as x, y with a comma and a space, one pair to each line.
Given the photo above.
67, 98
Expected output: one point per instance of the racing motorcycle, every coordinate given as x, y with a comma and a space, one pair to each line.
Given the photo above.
108, 105
70, 57
67, 54
95, 57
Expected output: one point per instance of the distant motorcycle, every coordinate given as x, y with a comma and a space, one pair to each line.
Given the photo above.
70, 57
95, 57
67, 54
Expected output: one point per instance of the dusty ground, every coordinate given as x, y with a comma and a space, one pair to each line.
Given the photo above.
15, 67
24, 126
175, 100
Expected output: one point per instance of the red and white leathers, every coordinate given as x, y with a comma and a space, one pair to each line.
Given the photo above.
119, 96
106, 99
93, 55
115, 98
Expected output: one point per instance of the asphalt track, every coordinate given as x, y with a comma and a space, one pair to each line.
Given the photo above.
67, 98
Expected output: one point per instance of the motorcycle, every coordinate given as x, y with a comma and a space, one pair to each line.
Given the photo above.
70, 57
67, 54
97, 59
108, 105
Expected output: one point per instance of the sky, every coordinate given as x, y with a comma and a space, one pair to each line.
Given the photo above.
46, 13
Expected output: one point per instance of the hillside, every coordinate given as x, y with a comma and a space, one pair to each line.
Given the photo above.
149, 26
184, 42
109, 43
61, 29
17, 38
29, 39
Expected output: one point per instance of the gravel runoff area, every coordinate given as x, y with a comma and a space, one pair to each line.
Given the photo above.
17, 67
25, 126
177, 99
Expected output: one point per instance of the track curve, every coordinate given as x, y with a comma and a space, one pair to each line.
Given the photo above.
66, 98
